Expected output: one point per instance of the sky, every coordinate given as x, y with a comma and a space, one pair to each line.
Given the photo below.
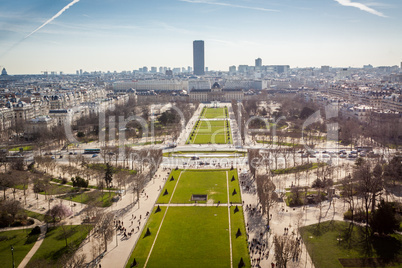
118, 35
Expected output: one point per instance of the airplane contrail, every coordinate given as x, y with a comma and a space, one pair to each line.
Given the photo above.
54, 17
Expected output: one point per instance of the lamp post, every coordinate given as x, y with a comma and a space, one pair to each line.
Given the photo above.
12, 255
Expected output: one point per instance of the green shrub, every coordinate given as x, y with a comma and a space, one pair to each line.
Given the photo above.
35, 231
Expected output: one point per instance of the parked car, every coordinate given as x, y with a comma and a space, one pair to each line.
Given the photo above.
94, 155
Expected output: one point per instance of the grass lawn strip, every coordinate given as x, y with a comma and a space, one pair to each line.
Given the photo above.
234, 186
239, 243
195, 237
21, 242
211, 132
84, 197
209, 182
160, 226
35, 215
182, 239
212, 113
224, 130
230, 225
54, 245
169, 186
212, 129
140, 253
198, 129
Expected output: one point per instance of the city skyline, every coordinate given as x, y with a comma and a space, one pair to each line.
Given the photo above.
70, 35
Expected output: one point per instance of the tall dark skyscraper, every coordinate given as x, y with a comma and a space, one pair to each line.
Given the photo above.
198, 57
258, 62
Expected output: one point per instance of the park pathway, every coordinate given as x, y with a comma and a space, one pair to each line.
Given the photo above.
38, 243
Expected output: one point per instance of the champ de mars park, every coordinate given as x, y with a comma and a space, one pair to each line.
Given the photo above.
258, 183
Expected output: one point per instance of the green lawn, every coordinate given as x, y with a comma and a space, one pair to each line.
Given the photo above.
300, 168
20, 186
234, 185
195, 236
187, 242
325, 249
38, 216
169, 186
209, 182
209, 153
215, 132
239, 244
144, 243
84, 198
24, 148
21, 242
54, 244
211, 113
55, 189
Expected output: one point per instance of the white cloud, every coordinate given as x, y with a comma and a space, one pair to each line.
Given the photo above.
53, 18
228, 5
360, 6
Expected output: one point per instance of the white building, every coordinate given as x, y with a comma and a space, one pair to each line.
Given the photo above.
155, 84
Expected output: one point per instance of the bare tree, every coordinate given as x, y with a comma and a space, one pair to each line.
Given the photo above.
266, 194
368, 186
348, 193
286, 248
6, 182
71, 260
106, 228
138, 184
253, 160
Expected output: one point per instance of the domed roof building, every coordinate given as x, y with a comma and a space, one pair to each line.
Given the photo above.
216, 93
4, 72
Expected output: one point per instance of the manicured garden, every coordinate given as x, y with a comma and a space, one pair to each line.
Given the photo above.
201, 240
22, 243
195, 236
212, 113
205, 153
216, 132
204, 182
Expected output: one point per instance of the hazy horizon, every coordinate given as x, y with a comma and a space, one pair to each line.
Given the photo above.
68, 35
